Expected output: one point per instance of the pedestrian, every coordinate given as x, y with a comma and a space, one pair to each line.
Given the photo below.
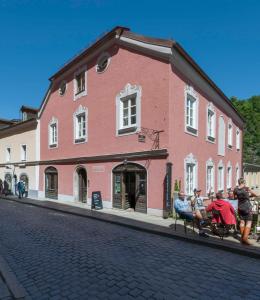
20, 187
243, 194
1, 186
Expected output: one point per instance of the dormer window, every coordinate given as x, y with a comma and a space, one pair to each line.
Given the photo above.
62, 88
103, 63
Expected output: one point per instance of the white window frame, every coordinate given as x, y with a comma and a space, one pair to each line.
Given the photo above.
77, 94
127, 93
190, 160
230, 134
211, 137
23, 152
221, 150
221, 176
238, 139
229, 175
8, 154
79, 112
190, 92
51, 141
210, 186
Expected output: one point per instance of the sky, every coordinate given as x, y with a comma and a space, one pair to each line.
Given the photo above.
38, 37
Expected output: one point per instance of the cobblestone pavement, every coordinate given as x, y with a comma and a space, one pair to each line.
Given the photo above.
4, 292
61, 256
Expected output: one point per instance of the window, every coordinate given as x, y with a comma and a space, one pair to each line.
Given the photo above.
220, 176
103, 62
229, 176
211, 123
190, 168
230, 134
191, 110
8, 154
53, 133
80, 88
238, 139
210, 176
62, 88
23, 152
128, 103
237, 173
80, 131
221, 136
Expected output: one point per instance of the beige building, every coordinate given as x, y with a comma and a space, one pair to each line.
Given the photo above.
252, 176
19, 152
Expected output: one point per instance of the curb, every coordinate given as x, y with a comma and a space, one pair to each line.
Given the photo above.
252, 252
16, 289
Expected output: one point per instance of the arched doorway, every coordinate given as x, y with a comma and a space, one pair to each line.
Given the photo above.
8, 186
82, 185
25, 179
130, 187
51, 183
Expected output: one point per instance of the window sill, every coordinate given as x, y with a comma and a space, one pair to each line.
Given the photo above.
192, 130
53, 146
230, 147
127, 130
211, 139
80, 94
80, 141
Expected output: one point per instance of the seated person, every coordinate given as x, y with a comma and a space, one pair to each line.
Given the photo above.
199, 203
227, 212
183, 208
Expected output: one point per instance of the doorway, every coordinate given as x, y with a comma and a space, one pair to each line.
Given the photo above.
82, 185
51, 183
129, 187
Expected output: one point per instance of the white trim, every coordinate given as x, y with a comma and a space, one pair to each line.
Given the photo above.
229, 176
8, 153
230, 134
189, 90
210, 163
81, 110
23, 154
50, 144
238, 139
191, 160
83, 93
238, 175
128, 91
211, 108
221, 166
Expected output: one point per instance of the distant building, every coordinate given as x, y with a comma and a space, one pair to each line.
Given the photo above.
18, 153
252, 176
125, 109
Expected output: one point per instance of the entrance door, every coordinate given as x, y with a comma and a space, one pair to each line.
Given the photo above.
82, 176
129, 187
51, 183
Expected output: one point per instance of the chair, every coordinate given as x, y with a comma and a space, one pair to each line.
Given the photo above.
178, 217
220, 228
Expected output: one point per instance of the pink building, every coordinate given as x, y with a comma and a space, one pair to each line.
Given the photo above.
126, 112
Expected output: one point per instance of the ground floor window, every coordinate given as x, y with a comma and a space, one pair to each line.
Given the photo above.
51, 183
220, 177
130, 187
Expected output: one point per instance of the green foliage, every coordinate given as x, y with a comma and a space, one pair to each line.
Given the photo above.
249, 109
176, 186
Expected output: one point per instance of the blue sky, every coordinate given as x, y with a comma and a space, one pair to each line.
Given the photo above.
38, 37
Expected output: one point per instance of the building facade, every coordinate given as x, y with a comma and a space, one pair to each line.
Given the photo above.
128, 117
20, 153
252, 176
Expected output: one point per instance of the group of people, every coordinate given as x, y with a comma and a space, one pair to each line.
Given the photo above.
21, 189
195, 210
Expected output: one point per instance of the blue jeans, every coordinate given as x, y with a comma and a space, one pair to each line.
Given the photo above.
186, 215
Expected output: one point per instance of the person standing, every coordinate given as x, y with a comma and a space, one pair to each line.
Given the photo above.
243, 194
20, 188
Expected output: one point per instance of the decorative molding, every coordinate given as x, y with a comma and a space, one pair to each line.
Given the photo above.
102, 56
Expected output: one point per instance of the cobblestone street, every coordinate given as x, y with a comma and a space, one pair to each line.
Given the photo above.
61, 256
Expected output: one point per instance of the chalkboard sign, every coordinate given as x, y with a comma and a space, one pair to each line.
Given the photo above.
96, 201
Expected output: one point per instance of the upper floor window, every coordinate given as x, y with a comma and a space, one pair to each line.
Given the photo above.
128, 103
23, 152
230, 134
53, 133
210, 174
238, 139
237, 173
191, 110
211, 123
80, 88
103, 62
80, 127
62, 88
191, 166
8, 154
221, 136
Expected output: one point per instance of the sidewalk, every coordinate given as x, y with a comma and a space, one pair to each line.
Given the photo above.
146, 223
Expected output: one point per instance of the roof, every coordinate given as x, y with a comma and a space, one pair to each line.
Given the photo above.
251, 167
29, 109
124, 32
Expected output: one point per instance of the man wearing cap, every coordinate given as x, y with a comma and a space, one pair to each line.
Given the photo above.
183, 208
